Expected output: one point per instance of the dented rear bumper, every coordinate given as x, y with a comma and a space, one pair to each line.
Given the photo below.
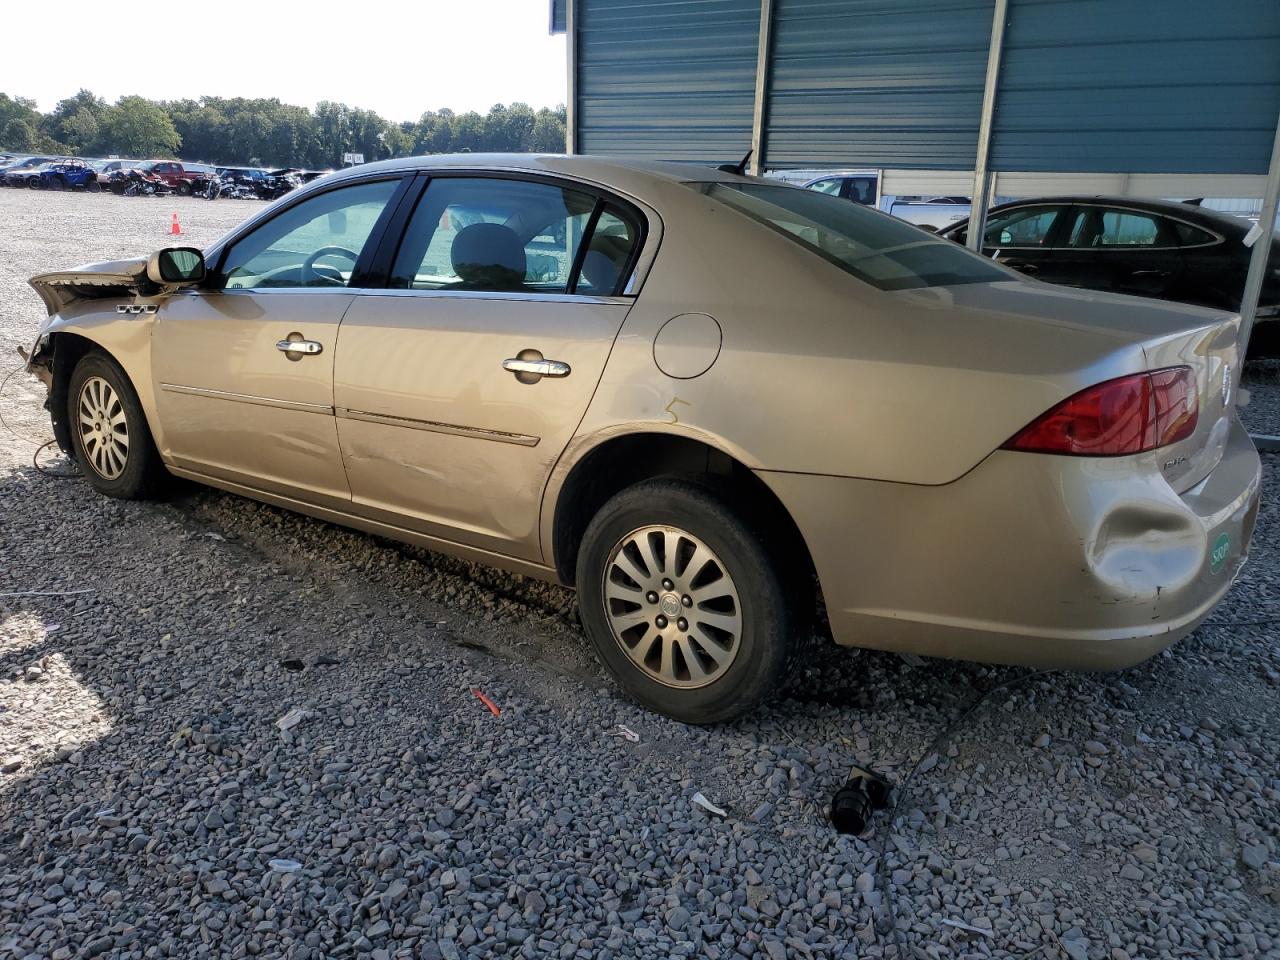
1044, 561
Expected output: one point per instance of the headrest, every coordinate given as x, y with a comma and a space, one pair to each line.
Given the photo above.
489, 255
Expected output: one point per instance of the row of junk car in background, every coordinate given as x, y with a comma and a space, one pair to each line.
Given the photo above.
146, 178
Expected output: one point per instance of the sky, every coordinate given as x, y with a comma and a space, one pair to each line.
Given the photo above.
398, 59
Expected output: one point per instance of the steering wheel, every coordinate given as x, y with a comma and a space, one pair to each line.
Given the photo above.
311, 275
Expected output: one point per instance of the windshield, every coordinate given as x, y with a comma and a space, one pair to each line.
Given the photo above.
886, 253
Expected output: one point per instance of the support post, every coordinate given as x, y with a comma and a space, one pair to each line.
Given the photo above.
981, 178
571, 63
759, 116
1258, 257
1259, 260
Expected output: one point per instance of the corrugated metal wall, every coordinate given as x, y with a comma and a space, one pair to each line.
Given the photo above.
1138, 86
674, 81
877, 82
1092, 86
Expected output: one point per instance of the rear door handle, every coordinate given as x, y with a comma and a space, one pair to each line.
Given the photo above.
1022, 266
538, 368
297, 347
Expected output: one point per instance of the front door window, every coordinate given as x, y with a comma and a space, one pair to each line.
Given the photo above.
316, 243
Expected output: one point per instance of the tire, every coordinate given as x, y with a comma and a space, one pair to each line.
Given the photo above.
757, 600
36, 183
131, 470
183, 188
93, 186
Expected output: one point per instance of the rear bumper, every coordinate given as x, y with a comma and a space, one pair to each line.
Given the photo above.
1028, 559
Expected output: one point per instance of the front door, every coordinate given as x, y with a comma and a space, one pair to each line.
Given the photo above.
244, 366
1022, 237
457, 390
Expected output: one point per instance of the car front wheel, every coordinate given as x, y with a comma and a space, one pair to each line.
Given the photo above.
694, 609
109, 432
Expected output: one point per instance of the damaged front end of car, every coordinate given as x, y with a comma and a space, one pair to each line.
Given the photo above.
72, 298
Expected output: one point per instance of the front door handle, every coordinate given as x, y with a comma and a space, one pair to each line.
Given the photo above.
1161, 274
295, 348
1022, 266
537, 368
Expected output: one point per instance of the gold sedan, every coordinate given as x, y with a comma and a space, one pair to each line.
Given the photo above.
706, 401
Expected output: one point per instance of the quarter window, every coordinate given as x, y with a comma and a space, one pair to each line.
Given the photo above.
1189, 236
313, 244
502, 236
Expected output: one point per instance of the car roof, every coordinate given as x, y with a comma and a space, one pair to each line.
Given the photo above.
619, 172
1190, 212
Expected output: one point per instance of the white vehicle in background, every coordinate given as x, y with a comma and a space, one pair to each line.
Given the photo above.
863, 187
932, 213
860, 186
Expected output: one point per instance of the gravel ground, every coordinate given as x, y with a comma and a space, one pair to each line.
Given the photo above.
151, 805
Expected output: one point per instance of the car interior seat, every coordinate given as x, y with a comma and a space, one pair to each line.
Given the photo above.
488, 256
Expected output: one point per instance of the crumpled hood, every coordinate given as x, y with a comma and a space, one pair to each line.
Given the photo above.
93, 281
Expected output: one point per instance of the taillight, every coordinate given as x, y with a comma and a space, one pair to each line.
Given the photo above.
1127, 415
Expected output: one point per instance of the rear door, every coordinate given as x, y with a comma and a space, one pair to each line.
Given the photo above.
457, 390
1122, 250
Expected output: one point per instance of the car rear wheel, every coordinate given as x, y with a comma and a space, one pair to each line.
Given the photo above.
109, 432
184, 188
93, 186
34, 183
687, 602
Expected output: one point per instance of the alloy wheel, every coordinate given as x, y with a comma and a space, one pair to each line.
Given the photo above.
672, 606
104, 429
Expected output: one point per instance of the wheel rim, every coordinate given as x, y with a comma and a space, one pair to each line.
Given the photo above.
104, 430
672, 606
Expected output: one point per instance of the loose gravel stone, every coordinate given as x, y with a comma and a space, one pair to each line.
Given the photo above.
152, 798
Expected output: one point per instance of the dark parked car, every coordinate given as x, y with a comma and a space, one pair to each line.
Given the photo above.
1151, 248
13, 174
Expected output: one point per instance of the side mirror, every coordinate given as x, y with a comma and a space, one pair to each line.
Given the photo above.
176, 265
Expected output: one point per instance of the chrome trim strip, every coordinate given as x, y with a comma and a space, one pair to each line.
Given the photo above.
248, 398
452, 429
499, 295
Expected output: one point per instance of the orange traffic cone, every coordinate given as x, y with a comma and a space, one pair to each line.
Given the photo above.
174, 229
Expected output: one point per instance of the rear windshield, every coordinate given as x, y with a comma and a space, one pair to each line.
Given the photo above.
876, 248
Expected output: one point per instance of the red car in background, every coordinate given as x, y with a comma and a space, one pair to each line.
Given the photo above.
174, 175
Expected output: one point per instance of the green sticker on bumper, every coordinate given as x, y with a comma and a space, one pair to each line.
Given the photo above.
1221, 548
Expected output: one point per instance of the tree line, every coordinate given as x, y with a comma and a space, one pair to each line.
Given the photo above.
265, 132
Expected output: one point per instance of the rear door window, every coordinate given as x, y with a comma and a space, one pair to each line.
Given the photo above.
1101, 228
498, 235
